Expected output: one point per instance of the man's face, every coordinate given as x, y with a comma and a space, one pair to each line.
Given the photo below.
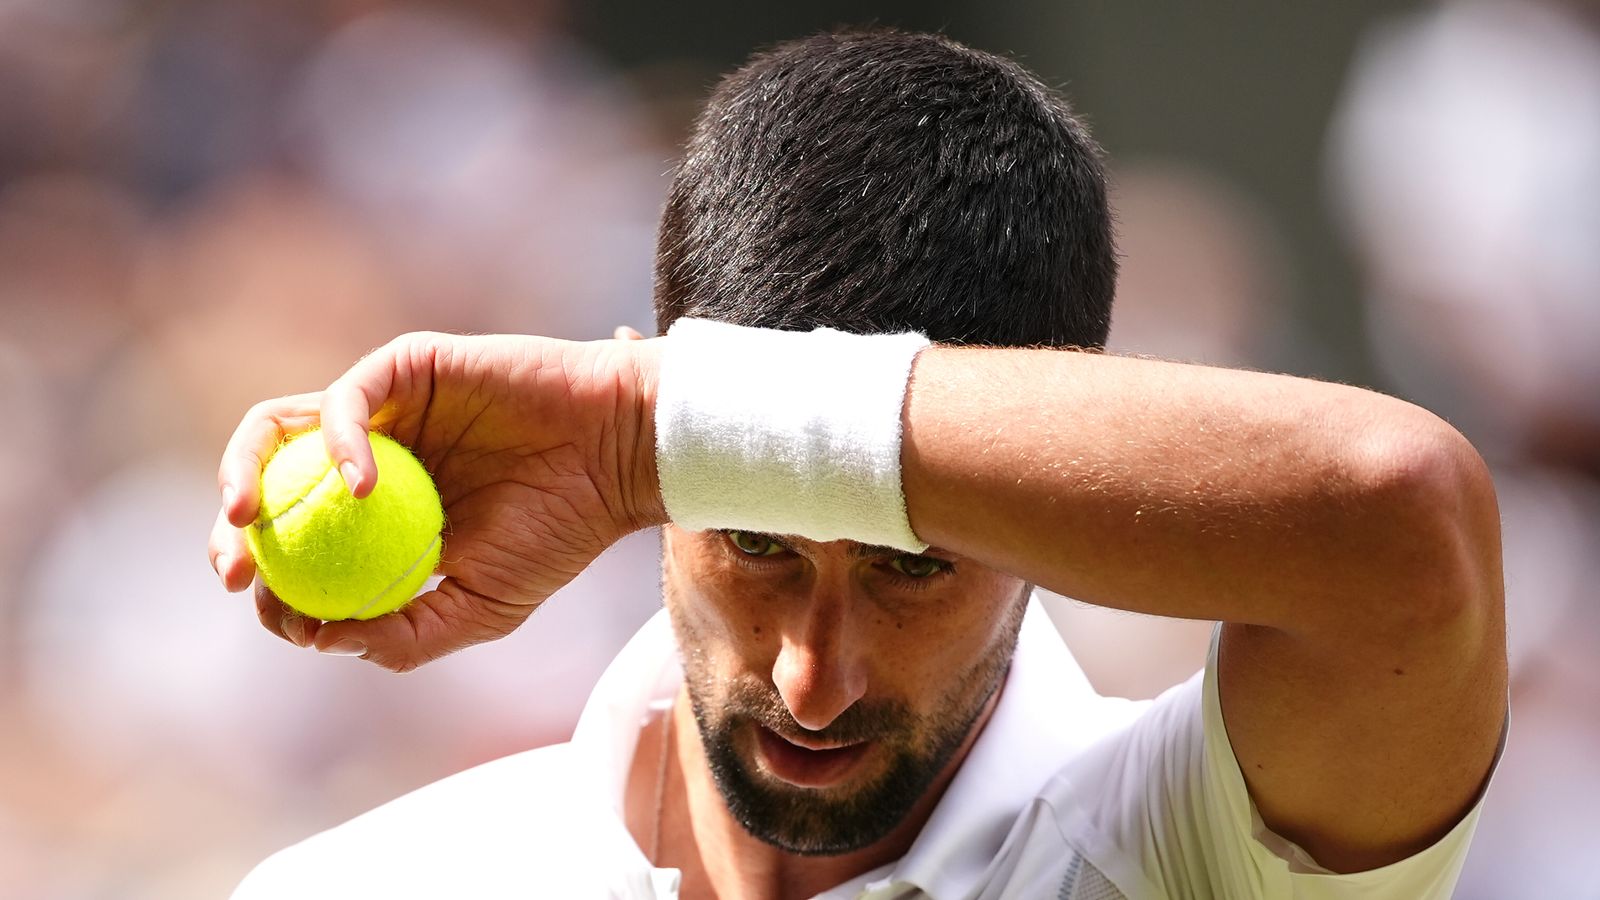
832, 682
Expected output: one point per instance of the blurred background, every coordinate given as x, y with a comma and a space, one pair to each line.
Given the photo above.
205, 204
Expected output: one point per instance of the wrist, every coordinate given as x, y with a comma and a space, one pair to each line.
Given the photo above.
784, 432
642, 479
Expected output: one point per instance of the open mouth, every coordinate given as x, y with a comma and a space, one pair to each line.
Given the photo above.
808, 767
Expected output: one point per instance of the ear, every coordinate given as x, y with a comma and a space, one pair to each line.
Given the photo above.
624, 333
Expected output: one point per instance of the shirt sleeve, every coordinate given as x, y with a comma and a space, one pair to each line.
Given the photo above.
1162, 809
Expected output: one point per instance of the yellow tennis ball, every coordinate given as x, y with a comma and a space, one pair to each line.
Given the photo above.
331, 556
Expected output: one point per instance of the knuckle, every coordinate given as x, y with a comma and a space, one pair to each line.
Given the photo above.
344, 432
409, 342
272, 409
397, 665
428, 345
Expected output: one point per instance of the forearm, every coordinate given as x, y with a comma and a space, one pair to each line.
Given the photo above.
1189, 491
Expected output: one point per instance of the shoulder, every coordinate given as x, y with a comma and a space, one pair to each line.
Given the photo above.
484, 832
1131, 808
1162, 809
1107, 818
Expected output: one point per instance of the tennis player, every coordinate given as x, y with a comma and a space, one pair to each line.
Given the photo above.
867, 440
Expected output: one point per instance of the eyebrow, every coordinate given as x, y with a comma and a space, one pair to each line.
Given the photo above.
857, 550
865, 551
862, 551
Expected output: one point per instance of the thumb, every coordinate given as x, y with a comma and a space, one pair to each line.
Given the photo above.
435, 624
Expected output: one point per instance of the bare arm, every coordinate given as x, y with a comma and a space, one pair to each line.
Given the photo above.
1349, 540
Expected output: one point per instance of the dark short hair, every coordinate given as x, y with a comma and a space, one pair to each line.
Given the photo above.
877, 181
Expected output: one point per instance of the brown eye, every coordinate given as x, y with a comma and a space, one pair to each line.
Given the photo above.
752, 544
918, 566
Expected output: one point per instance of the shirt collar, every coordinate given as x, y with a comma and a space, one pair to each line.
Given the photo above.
643, 677
1034, 729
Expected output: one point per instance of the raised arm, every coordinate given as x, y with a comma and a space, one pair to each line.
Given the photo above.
1349, 540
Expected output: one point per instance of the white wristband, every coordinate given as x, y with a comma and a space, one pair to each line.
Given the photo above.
785, 432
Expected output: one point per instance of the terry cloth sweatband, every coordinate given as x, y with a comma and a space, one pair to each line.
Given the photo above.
785, 432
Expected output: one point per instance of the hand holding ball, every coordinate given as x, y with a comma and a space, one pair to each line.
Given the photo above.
331, 556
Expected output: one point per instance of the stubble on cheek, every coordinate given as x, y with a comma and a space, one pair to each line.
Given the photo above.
722, 648
911, 751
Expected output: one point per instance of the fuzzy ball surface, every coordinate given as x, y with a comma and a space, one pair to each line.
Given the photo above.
331, 556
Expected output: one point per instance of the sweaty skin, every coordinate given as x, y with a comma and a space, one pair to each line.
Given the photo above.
829, 629
1350, 542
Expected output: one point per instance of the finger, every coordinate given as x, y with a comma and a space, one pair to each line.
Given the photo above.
230, 555
624, 333
282, 621
434, 624
263, 428
347, 407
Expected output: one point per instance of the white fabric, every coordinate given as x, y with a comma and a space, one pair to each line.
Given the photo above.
1064, 795
785, 432
1162, 809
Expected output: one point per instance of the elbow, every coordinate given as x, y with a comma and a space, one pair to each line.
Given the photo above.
1436, 529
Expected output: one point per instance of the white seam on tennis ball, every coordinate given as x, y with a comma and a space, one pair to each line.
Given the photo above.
268, 523
403, 576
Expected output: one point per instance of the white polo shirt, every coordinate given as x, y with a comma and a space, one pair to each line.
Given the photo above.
1065, 795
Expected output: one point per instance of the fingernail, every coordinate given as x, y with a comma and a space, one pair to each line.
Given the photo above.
351, 474
228, 496
294, 628
346, 647
222, 567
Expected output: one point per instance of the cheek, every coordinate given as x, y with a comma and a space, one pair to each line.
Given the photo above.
940, 637
721, 610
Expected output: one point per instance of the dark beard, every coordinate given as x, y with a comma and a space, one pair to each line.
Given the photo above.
813, 822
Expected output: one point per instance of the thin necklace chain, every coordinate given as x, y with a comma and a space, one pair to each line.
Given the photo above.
661, 787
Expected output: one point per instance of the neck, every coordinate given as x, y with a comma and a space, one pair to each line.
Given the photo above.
693, 831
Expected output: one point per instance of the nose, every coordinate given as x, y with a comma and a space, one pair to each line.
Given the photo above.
821, 669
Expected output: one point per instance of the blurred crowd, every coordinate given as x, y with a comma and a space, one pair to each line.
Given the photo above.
206, 203
1465, 164
203, 205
